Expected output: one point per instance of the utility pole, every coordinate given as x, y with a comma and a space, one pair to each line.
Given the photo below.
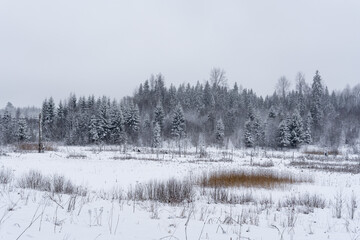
41, 149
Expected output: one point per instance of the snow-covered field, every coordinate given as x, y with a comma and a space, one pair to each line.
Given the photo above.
107, 211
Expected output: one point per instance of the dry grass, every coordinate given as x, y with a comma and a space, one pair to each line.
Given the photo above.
6, 175
323, 153
55, 184
327, 167
76, 156
29, 147
172, 191
259, 179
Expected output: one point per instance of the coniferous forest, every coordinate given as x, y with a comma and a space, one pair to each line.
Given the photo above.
210, 113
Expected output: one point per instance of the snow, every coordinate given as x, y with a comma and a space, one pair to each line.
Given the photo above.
97, 216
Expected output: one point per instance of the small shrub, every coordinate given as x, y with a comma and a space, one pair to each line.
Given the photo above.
34, 180
306, 200
69, 188
56, 184
171, 191
6, 176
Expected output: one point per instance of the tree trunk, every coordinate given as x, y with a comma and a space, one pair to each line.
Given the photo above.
41, 148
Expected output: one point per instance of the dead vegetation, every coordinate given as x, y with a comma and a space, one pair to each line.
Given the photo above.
6, 175
328, 167
259, 179
172, 191
55, 184
76, 156
323, 153
33, 147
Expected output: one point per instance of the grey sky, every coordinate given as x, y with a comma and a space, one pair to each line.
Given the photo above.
52, 48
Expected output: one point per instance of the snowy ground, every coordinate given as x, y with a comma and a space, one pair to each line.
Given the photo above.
31, 214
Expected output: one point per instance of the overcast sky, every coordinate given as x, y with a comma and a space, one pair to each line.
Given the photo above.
53, 48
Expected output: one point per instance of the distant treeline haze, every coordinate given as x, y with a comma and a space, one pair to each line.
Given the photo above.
204, 114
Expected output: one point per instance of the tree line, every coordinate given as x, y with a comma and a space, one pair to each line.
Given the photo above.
209, 113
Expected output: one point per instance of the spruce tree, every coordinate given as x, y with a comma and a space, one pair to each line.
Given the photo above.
316, 100
296, 130
60, 122
258, 131
132, 122
8, 128
219, 132
156, 141
117, 129
93, 130
271, 129
22, 131
147, 131
283, 134
307, 134
159, 115
103, 124
178, 123
248, 136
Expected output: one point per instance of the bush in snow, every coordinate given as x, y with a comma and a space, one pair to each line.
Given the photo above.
6, 176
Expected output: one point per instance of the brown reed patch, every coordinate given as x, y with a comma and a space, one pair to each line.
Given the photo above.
29, 147
259, 179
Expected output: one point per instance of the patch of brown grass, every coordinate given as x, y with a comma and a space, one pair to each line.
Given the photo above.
29, 147
259, 179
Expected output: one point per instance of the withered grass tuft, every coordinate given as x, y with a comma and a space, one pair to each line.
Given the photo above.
259, 178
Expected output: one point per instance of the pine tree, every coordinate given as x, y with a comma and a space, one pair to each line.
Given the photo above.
132, 122
117, 129
147, 131
103, 123
159, 115
22, 131
258, 131
208, 101
271, 130
230, 122
93, 130
156, 141
251, 114
219, 132
283, 134
60, 122
307, 134
272, 113
48, 118
8, 128
178, 127
316, 101
248, 136
295, 129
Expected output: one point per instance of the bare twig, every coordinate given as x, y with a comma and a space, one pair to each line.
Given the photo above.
186, 224
55, 201
31, 222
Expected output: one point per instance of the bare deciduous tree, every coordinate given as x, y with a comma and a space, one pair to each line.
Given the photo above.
283, 86
218, 77
300, 82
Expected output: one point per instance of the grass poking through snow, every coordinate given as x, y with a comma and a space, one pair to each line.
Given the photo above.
260, 179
